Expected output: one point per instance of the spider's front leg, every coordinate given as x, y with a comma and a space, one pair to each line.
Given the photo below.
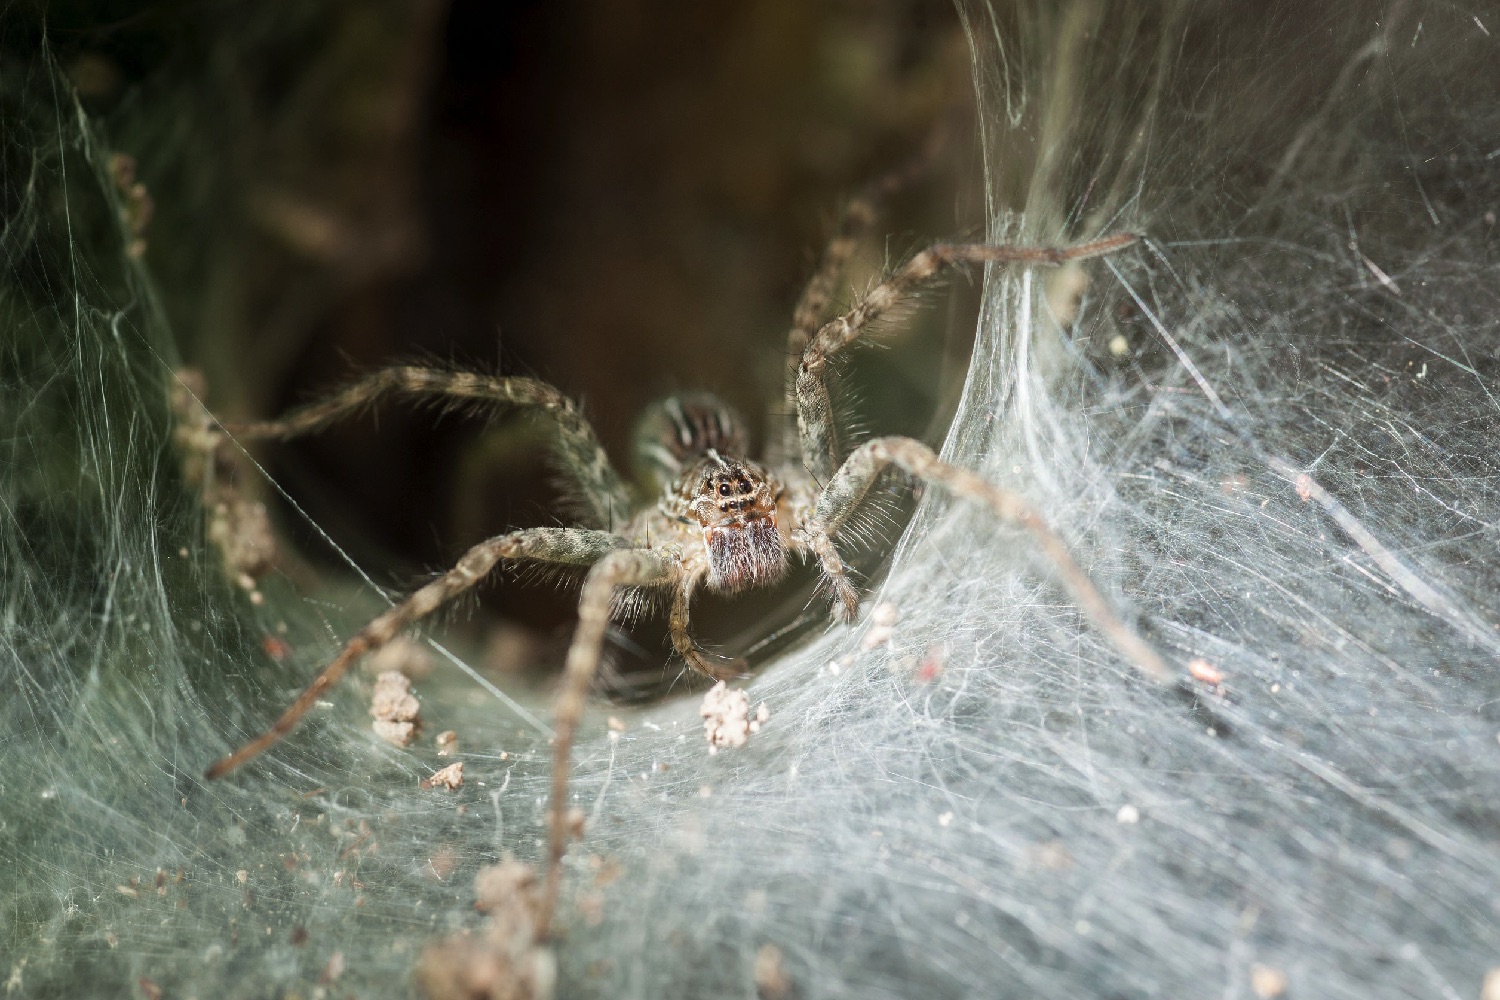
854, 479
822, 450
619, 569
560, 546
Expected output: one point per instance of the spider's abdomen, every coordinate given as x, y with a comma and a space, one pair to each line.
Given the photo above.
673, 433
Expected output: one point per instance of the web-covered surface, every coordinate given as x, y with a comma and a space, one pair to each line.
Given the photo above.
1267, 434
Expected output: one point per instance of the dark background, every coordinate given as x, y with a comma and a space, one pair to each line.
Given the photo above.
620, 198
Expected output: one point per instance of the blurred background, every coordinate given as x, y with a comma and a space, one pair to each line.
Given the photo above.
620, 198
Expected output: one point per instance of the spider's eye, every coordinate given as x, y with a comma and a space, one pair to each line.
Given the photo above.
723, 489
744, 485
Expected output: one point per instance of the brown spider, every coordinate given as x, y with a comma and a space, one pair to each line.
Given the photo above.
720, 520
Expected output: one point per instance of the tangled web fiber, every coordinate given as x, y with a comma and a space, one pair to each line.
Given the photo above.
1268, 433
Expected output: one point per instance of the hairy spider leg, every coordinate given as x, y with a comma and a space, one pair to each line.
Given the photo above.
858, 216
822, 451
614, 571
605, 500
561, 546
818, 538
859, 472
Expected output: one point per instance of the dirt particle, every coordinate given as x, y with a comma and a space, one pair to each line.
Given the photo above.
395, 709
450, 777
1267, 982
727, 722
771, 979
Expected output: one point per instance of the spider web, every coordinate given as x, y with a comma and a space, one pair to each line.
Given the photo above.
1268, 435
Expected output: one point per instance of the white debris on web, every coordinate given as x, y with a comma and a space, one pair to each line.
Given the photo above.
727, 722
396, 711
1267, 983
450, 777
771, 979
238, 527
503, 959
882, 626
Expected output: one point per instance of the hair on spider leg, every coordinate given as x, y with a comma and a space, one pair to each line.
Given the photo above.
878, 521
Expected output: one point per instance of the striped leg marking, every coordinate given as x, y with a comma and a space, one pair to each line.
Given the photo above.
577, 445
619, 569
567, 546
858, 474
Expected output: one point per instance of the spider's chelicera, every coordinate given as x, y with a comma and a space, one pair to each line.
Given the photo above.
709, 516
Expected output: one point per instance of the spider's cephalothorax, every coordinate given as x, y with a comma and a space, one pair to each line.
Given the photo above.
708, 516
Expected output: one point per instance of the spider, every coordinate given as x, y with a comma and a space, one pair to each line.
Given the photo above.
719, 520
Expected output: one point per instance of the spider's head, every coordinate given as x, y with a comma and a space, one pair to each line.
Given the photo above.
735, 502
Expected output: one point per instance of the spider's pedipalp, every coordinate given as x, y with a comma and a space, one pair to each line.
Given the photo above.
860, 471
616, 570
567, 546
682, 638
604, 497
